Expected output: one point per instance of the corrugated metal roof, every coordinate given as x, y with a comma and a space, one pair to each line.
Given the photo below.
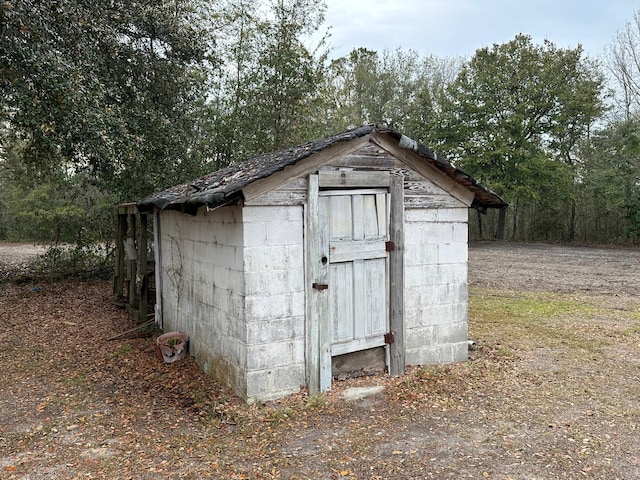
225, 186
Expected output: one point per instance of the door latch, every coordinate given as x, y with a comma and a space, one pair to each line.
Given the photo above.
320, 286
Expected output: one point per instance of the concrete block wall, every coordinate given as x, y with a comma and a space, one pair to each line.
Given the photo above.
436, 252
203, 288
274, 300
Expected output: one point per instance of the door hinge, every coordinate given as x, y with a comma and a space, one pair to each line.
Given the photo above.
389, 246
320, 286
388, 338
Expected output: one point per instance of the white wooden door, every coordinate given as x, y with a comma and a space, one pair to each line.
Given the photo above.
356, 232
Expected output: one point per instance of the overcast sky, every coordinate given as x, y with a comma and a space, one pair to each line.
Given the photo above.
452, 28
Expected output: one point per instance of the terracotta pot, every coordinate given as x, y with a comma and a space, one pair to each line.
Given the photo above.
173, 346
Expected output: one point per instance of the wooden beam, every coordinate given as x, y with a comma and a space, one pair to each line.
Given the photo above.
353, 178
127, 208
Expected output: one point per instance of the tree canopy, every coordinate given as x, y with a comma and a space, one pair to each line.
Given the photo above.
106, 87
107, 101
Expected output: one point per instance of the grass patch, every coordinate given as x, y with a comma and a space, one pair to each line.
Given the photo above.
122, 351
526, 305
533, 318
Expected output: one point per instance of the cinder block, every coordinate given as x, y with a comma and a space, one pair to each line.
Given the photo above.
413, 276
255, 234
420, 215
420, 336
436, 354
289, 377
222, 278
279, 330
438, 233
460, 351
436, 315
452, 253
274, 383
260, 282
265, 307
452, 333
452, 273
414, 356
257, 259
275, 354
284, 233
411, 317
412, 297
298, 304
236, 305
413, 254
453, 215
461, 233
233, 235
295, 278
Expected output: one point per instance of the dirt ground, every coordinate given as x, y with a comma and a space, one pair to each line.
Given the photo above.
551, 390
554, 268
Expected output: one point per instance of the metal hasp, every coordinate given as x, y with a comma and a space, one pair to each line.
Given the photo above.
388, 338
389, 246
320, 286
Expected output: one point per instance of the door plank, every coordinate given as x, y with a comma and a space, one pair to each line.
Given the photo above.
350, 251
359, 299
396, 277
314, 297
357, 213
342, 308
324, 312
376, 297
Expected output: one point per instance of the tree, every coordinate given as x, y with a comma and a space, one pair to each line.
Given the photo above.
623, 61
394, 88
515, 113
267, 85
109, 88
610, 183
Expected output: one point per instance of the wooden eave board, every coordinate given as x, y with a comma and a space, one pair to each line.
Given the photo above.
423, 167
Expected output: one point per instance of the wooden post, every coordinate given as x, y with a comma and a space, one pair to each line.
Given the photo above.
324, 312
396, 277
131, 262
312, 321
141, 278
119, 271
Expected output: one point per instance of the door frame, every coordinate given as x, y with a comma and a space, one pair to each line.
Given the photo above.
318, 324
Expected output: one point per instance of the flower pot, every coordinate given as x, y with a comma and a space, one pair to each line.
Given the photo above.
173, 346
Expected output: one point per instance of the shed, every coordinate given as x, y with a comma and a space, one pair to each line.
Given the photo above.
338, 256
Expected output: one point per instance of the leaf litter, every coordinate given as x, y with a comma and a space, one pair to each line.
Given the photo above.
550, 396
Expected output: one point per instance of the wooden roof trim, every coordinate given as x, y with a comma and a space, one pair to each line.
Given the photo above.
424, 168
